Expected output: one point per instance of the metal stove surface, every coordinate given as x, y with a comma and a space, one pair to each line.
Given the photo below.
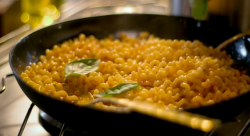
13, 108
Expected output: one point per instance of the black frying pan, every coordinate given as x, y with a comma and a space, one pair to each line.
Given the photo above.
87, 118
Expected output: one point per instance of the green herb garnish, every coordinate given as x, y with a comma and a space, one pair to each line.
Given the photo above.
119, 89
81, 67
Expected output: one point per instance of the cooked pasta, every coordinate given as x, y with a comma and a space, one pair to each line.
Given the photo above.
172, 73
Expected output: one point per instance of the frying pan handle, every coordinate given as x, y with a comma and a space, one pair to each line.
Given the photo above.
4, 83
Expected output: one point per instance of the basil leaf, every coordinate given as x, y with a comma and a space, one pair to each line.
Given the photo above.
119, 89
81, 67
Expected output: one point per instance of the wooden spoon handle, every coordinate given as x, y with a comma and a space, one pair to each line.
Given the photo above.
184, 118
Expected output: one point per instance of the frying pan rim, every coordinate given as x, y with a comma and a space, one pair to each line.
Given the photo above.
76, 20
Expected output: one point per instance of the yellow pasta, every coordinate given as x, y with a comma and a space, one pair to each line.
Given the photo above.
173, 73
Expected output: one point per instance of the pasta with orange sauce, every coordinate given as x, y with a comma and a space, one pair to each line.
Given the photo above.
173, 73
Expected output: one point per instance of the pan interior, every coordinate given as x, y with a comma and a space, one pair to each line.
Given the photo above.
32, 46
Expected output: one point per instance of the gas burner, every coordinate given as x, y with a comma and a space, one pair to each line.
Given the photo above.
55, 127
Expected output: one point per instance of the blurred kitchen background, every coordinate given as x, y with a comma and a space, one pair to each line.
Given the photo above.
20, 17
15, 13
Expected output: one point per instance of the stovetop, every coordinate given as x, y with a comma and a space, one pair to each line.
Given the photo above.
13, 108
14, 104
